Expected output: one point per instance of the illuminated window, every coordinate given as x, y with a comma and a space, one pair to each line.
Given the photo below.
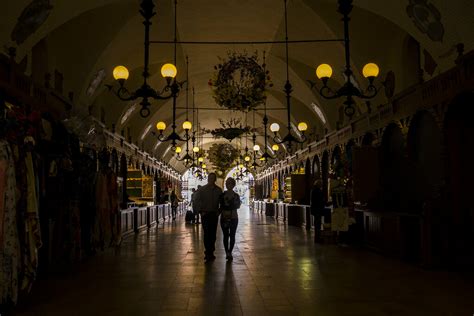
166, 151
127, 114
319, 112
146, 131
295, 129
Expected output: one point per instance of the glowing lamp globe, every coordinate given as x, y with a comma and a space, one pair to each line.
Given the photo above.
370, 70
275, 147
324, 71
187, 125
196, 149
302, 127
256, 148
161, 126
247, 158
178, 150
275, 127
169, 71
204, 166
241, 166
200, 159
120, 73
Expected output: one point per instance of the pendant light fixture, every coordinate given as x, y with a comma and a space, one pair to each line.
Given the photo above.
302, 126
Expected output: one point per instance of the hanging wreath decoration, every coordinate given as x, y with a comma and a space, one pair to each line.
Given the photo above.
223, 156
240, 82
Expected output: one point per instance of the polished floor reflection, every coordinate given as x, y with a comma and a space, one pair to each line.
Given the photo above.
277, 270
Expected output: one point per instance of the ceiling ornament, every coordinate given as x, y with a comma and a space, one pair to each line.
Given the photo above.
240, 82
31, 18
426, 18
230, 129
223, 156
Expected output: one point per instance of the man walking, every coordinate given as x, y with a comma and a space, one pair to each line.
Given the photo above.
208, 201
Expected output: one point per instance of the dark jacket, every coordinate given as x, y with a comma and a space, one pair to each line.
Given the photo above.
317, 201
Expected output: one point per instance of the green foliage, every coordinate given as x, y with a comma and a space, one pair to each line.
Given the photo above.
223, 156
240, 82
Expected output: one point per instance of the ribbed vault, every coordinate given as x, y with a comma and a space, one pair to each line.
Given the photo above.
80, 38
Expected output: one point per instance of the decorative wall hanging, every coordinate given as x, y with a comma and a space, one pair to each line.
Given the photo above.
427, 19
240, 82
230, 129
31, 18
223, 156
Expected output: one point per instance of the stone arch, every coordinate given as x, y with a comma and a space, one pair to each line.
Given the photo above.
316, 167
348, 153
459, 143
392, 151
424, 151
368, 139
114, 161
336, 161
325, 173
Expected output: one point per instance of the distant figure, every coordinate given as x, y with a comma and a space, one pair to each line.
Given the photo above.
229, 204
174, 204
194, 204
193, 190
317, 208
207, 199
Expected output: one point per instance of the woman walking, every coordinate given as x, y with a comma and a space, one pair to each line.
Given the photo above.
229, 204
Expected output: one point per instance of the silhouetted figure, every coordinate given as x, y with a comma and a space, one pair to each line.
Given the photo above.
208, 203
174, 204
229, 204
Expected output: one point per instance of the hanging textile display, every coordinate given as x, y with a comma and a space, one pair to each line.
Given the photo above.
32, 237
9, 241
106, 225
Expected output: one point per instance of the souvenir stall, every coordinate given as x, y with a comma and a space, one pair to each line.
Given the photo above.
57, 204
20, 230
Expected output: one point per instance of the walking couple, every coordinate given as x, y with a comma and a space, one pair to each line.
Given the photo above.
212, 202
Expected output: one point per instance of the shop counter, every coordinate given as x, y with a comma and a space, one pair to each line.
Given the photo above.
269, 209
395, 234
296, 214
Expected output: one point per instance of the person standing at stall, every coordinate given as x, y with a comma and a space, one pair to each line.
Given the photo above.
207, 198
317, 208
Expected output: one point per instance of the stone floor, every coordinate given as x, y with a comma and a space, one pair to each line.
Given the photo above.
277, 270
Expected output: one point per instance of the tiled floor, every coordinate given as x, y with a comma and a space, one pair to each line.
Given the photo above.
277, 270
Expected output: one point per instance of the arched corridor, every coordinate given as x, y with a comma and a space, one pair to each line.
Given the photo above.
347, 125
277, 270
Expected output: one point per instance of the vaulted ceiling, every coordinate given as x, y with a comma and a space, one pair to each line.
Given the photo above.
83, 38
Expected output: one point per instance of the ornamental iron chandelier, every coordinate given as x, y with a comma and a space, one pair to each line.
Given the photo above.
266, 156
168, 71
186, 158
174, 137
348, 90
302, 126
